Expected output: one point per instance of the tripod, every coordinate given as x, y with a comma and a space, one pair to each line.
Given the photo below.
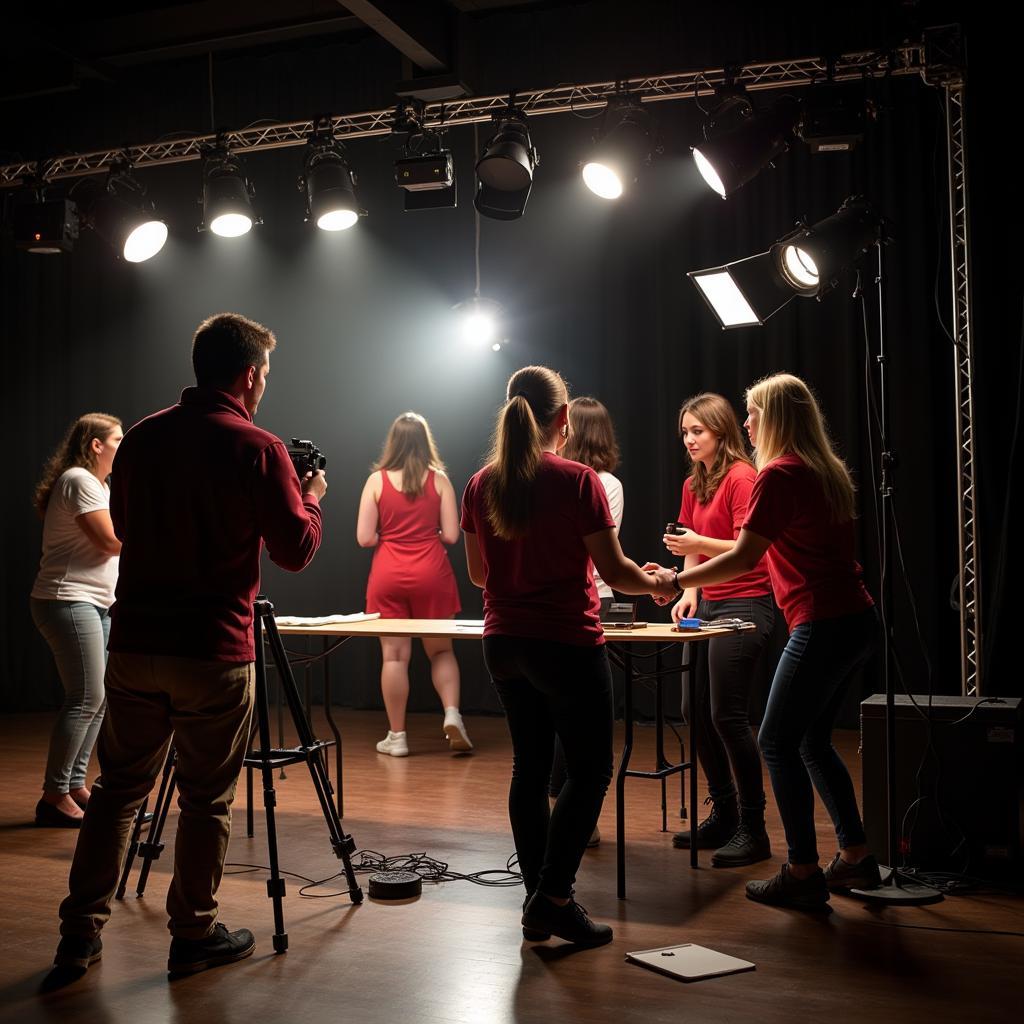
266, 758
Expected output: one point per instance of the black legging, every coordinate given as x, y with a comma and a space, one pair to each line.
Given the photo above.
548, 688
724, 670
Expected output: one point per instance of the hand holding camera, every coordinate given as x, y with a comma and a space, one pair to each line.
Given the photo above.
309, 463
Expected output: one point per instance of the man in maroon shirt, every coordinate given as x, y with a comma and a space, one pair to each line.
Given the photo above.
196, 491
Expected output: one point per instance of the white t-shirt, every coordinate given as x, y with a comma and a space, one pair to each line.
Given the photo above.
613, 490
72, 567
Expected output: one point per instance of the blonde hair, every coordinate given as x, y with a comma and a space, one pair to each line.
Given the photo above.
791, 423
534, 396
592, 436
716, 414
75, 449
410, 449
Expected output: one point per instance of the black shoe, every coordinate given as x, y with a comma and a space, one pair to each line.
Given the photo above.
748, 845
48, 816
533, 934
569, 922
77, 952
188, 956
715, 830
783, 890
841, 876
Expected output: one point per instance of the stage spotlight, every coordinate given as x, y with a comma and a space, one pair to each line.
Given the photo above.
227, 195
120, 214
45, 227
622, 148
505, 169
807, 262
729, 160
329, 183
426, 171
480, 323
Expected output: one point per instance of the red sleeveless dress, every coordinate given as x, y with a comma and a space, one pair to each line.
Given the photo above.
411, 577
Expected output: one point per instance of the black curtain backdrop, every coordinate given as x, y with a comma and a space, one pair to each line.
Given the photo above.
598, 291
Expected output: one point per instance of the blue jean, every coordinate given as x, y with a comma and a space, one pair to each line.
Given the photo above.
77, 633
796, 735
548, 688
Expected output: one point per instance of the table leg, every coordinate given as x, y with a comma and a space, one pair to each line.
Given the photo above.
339, 789
620, 781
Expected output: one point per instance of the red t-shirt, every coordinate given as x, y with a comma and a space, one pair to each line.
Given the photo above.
722, 518
196, 492
811, 564
540, 585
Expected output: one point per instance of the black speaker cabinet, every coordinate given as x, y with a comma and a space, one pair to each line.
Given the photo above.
959, 786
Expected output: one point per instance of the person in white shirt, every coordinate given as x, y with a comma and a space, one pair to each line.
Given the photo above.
591, 442
70, 603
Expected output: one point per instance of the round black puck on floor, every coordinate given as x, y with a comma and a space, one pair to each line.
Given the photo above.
395, 885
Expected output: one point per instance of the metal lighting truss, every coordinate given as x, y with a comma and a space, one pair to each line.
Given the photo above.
908, 59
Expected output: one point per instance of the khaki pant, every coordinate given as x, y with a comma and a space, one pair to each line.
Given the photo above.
206, 705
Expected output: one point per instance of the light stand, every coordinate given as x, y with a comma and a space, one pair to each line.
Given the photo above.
895, 888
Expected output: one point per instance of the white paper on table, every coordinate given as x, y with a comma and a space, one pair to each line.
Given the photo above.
324, 620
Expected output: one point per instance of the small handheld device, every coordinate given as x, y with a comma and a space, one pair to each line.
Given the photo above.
676, 529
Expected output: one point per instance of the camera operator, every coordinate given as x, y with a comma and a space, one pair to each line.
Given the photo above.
197, 489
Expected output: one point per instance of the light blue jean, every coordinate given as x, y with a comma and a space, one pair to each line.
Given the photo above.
77, 633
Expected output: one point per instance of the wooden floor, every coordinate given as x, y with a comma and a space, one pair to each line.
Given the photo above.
456, 954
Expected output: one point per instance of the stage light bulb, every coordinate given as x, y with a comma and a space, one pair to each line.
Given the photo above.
799, 267
231, 225
145, 241
337, 220
478, 328
602, 180
708, 173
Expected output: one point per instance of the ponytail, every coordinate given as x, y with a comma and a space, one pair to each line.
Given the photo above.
535, 394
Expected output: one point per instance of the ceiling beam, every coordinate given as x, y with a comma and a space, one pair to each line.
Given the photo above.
418, 29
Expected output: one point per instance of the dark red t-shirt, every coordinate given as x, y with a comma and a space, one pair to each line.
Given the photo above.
541, 585
722, 518
196, 491
813, 571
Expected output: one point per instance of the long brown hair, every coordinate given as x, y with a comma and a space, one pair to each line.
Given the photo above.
74, 450
791, 422
534, 396
716, 414
591, 436
410, 449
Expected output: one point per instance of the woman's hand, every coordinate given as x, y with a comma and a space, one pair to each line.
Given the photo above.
662, 594
686, 606
688, 543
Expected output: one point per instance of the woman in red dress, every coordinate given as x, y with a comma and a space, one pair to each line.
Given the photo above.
406, 511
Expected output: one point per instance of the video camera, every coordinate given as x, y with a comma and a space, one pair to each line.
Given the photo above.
306, 457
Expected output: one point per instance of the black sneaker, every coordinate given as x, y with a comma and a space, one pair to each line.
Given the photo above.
189, 956
783, 890
842, 877
748, 845
75, 952
715, 830
569, 922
